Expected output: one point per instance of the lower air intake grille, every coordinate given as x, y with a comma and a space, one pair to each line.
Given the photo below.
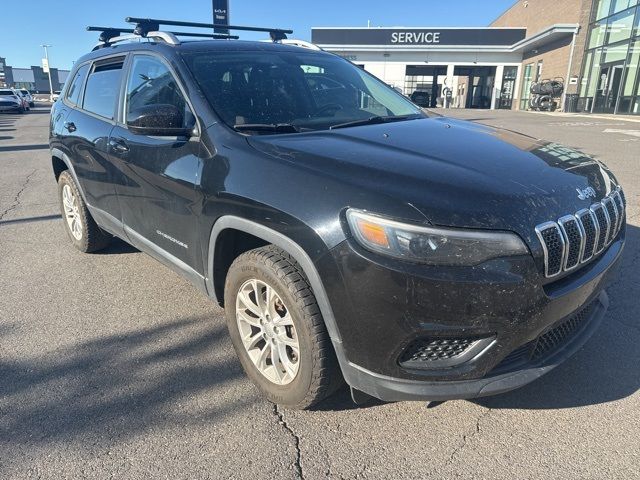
558, 336
429, 350
548, 342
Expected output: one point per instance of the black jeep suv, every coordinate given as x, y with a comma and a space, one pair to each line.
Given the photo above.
347, 234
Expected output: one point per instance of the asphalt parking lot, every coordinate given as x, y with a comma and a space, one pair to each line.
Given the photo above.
113, 366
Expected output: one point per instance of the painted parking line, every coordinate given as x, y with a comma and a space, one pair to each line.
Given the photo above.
632, 133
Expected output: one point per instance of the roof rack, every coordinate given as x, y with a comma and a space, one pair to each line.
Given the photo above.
147, 25
110, 35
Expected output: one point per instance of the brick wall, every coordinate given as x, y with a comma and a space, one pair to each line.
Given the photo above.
537, 15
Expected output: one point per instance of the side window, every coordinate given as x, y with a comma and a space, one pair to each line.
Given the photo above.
75, 87
151, 84
102, 88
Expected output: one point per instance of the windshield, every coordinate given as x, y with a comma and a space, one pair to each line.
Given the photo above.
307, 90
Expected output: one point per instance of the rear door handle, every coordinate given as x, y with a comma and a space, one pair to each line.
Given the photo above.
118, 145
70, 126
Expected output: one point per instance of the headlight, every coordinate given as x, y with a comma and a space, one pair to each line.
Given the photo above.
431, 245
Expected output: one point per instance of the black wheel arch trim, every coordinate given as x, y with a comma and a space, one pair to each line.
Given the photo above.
297, 252
59, 154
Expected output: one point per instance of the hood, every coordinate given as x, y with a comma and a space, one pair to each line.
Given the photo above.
456, 173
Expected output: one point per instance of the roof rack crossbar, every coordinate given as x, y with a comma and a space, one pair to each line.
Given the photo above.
151, 24
109, 33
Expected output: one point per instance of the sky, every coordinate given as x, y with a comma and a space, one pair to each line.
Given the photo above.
63, 26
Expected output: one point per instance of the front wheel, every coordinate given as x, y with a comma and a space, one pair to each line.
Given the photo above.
277, 329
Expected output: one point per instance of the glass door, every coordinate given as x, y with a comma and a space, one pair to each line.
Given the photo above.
508, 86
608, 87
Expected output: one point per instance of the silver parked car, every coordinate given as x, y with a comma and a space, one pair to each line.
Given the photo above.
10, 101
26, 94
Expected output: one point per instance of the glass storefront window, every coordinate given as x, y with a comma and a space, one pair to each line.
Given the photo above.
585, 79
631, 85
598, 32
616, 53
619, 26
594, 73
603, 9
619, 5
610, 80
527, 78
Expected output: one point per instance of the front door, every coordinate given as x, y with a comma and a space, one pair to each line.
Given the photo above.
158, 197
608, 88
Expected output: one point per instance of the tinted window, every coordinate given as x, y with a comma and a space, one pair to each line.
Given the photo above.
76, 85
309, 90
102, 89
151, 83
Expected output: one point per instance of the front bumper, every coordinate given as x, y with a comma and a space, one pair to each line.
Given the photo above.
382, 307
10, 108
397, 389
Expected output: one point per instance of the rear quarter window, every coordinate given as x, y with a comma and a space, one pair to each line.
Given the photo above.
101, 91
75, 87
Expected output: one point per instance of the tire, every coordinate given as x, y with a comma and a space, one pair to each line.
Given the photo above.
82, 230
317, 373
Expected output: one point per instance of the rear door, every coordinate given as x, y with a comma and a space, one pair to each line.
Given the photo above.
86, 131
158, 195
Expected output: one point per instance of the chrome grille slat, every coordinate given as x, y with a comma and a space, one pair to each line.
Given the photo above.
576, 239
612, 212
590, 230
617, 199
553, 245
603, 225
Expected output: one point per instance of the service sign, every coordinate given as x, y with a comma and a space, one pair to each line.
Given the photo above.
418, 36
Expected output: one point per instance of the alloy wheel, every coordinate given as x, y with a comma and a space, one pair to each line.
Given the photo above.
72, 212
267, 331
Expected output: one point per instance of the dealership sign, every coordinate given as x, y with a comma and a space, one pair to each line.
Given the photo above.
418, 36
415, 37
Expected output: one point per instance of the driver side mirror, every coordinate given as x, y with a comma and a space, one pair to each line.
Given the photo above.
158, 120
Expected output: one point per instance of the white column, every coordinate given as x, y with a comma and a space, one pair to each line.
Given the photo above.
450, 68
516, 90
497, 86
450, 83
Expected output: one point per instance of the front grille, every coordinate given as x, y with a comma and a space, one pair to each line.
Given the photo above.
8, 104
576, 238
548, 342
429, 350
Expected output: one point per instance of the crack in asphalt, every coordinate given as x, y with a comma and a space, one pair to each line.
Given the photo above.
465, 439
296, 440
16, 199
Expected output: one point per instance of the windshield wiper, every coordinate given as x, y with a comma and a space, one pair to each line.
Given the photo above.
376, 120
267, 127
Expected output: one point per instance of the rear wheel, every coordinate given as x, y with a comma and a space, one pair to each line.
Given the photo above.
83, 231
277, 329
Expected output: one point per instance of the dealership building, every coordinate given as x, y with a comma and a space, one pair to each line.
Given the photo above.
591, 46
34, 79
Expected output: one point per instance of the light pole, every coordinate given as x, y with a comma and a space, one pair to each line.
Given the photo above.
46, 55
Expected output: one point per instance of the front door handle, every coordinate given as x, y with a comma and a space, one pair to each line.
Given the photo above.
119, 145
70, 126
